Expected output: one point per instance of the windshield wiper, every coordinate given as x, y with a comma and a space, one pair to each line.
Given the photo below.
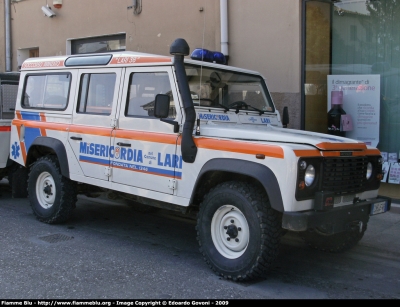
255, 109
224, 107
239, 104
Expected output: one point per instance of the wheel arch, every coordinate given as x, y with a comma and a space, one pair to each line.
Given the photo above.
258, 172
47, 145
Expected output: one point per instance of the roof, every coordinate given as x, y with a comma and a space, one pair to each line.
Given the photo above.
112, 59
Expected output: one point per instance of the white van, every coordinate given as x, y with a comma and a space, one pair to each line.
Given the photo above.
190, 136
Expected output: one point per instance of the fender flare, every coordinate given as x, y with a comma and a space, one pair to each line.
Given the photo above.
259, 172
58, 147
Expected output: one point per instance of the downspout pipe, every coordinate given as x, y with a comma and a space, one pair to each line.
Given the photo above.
7, 18
179, 49
224, 28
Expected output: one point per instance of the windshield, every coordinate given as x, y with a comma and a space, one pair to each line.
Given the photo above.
217, 88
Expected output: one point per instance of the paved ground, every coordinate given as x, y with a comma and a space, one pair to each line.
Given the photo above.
113, 252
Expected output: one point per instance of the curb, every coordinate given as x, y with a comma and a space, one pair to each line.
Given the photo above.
395, 208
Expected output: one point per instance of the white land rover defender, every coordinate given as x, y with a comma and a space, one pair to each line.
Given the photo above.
194, 137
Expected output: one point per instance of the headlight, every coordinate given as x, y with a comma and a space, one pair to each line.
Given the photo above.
369, 170
309, 175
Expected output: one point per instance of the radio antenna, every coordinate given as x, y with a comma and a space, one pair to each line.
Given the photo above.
202, 47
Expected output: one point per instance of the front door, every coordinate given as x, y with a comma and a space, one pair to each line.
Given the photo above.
145, 148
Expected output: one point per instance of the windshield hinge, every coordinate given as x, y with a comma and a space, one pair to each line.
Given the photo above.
114, 122
107, 171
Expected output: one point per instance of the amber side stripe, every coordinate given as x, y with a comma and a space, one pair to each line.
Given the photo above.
240, 147
342, 146
317, 153
206, 143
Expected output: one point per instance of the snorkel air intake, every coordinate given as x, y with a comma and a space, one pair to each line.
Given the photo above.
179, 49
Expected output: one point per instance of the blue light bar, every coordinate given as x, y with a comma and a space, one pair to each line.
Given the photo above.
208, 56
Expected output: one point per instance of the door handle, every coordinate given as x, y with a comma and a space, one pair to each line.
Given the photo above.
124, 144
76, 138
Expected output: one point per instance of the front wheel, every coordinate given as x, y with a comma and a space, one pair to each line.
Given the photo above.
52, 196
238, 231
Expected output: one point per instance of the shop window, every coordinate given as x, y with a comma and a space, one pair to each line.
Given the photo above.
98, 44
34, 53
368, 33
25, 53
353, 33
353, 46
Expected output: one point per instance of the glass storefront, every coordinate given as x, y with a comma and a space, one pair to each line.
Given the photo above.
99, 44
353, 47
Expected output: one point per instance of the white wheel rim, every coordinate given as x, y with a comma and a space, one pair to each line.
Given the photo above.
45, 190
230, 232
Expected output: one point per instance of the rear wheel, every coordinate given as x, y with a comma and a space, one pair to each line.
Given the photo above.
238, 231
52, 196
18, 181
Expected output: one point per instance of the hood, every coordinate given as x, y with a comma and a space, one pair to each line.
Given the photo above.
269, 133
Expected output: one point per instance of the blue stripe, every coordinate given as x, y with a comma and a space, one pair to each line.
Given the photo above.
136, 167
132, 167
94, 160
30, 116
146, 169
30, 135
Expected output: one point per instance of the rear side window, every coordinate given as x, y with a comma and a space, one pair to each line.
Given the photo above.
46, 91
96, 93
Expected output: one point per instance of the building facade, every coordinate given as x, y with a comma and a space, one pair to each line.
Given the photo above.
116, 25
304, 48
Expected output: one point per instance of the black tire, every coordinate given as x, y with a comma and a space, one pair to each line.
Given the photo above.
18, 181
258, 230
334, 243
51, 195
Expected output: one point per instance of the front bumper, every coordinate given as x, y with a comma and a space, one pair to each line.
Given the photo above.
333, 220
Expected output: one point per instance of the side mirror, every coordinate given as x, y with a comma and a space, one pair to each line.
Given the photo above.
161, 106
161, 110
285, 117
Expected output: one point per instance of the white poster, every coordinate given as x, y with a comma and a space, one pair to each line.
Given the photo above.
361, 100
392, 157
394, 173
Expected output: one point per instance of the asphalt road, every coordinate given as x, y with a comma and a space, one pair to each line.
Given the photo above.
113, 252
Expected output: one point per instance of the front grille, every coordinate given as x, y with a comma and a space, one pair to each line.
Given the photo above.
344, 175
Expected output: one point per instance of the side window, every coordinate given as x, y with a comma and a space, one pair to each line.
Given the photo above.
46, 91
96, 93
143, 88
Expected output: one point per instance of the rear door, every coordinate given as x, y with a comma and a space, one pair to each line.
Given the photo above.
94, 119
